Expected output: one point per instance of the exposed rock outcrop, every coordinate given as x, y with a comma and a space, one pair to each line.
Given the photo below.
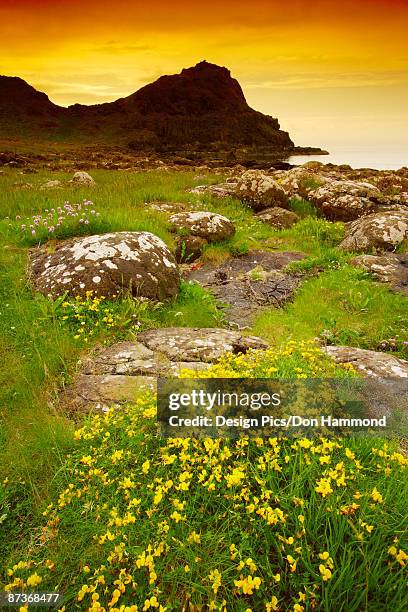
122, 371
299, 182
246, 284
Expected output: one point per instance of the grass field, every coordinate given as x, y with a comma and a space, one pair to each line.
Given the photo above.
111, 514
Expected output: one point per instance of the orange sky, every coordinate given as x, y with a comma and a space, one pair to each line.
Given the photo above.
332, 72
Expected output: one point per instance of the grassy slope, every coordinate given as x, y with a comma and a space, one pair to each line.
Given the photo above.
38, 353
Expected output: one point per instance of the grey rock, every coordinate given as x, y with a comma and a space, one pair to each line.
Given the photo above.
200, 344
246, 284
278, 217
299, 182
344, 200
119, 373
208, 225
370, 363
107, 264
390, 268
82, 179
382, 231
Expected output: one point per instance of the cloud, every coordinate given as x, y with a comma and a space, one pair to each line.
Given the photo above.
312, 80
114, 47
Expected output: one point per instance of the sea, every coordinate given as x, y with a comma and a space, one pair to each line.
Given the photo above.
377, 158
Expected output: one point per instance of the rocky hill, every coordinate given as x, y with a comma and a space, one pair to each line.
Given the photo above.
203, 107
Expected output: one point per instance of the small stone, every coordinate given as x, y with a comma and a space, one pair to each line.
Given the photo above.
189, 248
82, 178
208, 225
278, 217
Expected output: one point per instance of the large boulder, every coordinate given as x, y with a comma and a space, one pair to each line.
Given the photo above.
390, 268
260, 190
208, 225
278, 217
346, 200
382, 231
82, 179
107, 264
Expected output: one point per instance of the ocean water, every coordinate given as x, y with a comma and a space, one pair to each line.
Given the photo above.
377, 158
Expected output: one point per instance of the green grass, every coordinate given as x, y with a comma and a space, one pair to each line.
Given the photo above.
38, 353
343, 302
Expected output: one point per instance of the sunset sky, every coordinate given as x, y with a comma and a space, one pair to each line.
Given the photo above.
334, 73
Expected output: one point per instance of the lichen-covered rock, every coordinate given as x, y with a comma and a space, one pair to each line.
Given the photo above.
53, 184
346, 200
135, 359
382, 231
208, 225
278, 217
299, 182
107, 264
189, 248
370, 363
119, 373
260, 190
101, 391
390, 268
198, 344
391, 183
82, 178
221, 190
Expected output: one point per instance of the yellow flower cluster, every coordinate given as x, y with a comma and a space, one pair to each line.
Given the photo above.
173, 522
90, 316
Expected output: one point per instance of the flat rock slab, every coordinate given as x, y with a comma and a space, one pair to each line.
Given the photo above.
390, 268
248, 283
370, 363
387, 393
194, 344
98, 392
119, 373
